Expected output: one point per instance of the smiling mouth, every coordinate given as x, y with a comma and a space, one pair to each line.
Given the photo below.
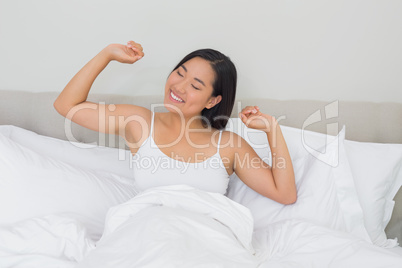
174, 97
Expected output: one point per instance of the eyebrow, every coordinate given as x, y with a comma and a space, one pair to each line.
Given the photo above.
199, 80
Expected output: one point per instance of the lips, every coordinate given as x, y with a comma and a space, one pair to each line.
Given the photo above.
175, 97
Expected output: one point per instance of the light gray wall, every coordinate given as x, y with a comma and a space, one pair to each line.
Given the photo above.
320, 50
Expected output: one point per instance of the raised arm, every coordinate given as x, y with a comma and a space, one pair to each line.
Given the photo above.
276, 182
72, 104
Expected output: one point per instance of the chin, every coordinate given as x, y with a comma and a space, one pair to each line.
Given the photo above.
170, 106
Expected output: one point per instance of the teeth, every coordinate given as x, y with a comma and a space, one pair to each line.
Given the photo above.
175, 97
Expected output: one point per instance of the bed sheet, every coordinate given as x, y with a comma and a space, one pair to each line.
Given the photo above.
397, 250
179, 226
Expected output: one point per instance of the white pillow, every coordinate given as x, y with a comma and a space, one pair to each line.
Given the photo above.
34, 185
77, 154
377, 171
326, 193
377, 175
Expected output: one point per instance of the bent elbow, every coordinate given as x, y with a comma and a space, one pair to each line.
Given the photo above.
58, 107
291, 199
61, 107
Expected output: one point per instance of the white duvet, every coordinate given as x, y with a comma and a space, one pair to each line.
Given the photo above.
179, 226
67, 206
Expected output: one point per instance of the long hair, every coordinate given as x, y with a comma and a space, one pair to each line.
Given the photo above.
224, 85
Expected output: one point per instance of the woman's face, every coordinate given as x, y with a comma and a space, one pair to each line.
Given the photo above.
189, 88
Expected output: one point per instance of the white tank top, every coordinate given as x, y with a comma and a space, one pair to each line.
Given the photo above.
153, 168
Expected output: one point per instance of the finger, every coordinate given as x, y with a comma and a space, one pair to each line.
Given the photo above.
137, 54
139, 46
249, 110
248, 121
243, 118
246, 116
258, 112
252, 109
245, 113
138, 50
248, 107
141, 53
132, 49
130, 44
134, 44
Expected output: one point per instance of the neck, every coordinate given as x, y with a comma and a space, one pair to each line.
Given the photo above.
179, 121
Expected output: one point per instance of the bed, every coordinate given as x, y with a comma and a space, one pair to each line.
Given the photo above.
68, 197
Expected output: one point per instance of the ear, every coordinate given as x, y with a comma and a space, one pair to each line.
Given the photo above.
213, 101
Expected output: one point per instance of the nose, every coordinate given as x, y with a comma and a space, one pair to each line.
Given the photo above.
180, 87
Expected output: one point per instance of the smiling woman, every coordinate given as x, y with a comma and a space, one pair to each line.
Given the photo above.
199, 97
217, 77
185, 88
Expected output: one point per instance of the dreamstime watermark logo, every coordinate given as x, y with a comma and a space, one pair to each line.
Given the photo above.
108, 122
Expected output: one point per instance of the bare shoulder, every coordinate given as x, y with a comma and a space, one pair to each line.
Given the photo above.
232, 147
232, 141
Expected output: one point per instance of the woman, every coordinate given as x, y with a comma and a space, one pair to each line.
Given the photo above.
199, 97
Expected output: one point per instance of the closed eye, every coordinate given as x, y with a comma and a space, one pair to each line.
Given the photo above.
178, 72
